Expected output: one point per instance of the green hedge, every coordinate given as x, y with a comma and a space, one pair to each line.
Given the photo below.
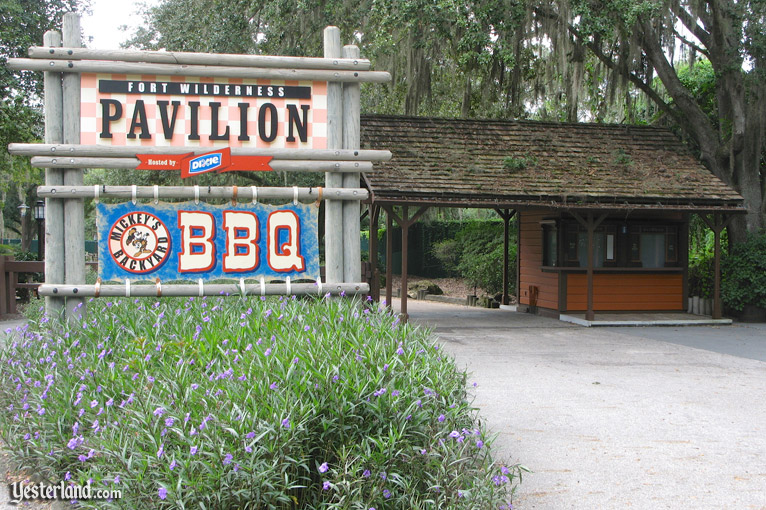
247, 403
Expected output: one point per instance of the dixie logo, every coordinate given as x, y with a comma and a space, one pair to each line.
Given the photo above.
206, 163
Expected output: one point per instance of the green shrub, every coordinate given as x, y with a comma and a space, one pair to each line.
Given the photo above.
743, 274
247, 403
477, 253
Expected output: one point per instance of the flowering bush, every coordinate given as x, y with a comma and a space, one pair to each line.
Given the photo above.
247, 403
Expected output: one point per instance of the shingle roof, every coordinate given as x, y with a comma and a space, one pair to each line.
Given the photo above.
451, 160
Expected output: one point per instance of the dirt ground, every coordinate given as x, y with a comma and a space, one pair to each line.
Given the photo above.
457, 287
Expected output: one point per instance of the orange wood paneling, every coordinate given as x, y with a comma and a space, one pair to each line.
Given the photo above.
531, 260
625, 292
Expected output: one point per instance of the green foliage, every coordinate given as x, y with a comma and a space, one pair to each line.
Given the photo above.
622, 158
247, 403
516, 164
743, 280
476, 253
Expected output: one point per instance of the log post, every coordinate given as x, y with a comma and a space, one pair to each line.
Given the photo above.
74, 214
506, 214
590, 224
333, 235
352, 250
389, 258
373, 247
54, 208
717, 223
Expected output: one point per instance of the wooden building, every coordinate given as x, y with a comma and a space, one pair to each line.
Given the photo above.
603, 210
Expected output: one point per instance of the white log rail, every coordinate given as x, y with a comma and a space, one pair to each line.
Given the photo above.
212, 59
241, 193
109, 151
132, 163
148, 289
139, 68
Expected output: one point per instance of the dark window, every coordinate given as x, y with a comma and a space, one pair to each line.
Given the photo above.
550, 245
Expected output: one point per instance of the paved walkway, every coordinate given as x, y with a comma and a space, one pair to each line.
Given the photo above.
612, 418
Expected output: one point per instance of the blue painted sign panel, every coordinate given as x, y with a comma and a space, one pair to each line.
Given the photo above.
189, 241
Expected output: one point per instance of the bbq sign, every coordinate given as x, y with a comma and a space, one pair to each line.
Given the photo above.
125, 110
189, 241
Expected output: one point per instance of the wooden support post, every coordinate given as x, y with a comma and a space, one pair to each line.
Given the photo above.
590, 225
54, 208
373, 248
4, 285
506, 214
717, 223
389, 258
404, 221
405, 248
74, 214
333, 236
352, 249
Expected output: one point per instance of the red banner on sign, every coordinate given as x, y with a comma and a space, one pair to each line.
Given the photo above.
190, 165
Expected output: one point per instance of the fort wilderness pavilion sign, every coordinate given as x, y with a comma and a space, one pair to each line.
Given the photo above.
196, 114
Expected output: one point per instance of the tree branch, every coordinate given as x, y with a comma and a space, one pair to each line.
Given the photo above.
632, 77
691, 24
692, 118
690, 44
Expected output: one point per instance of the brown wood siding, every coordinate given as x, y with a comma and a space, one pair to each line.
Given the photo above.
531, 260
627, 292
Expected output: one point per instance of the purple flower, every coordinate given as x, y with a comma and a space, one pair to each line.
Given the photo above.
161, 450
68, 476
442, 418
273, 386
326, 485
366, 473
250, 435
386, 493
117, 479
162, 493
324, 467
286, 423
400, 351
159, 411
505, 470
193, 450
227, 459
169, 422
454, 434
173, 465
267, 352
479, 443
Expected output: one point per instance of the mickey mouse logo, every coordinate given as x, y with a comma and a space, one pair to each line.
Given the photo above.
139, 242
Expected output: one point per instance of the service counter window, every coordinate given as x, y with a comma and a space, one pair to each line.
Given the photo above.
623, 245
